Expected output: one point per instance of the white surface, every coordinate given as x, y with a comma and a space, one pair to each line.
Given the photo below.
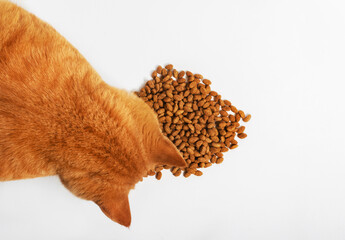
281, 61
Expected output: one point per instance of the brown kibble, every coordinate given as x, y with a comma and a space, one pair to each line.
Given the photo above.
169, 66
175, 73
219, 160
217, 145
164, 72
161, 110
222, 125
222, 132
198, 76
224, 149
193, 84
247, 118
241, 129
242, 135
158, 80
181, 74
166, 78
158, 169
237, 117
193, 165
181, 80
158, 175
150, 104
174, 170
193, 139
182, 145
178, 142
227, 102
175, 120
169, 94
233, 109
223, 113
194, 90
178, 97
226, 108
213, 93
151, 173
203, 90
233, 146
169, 107
208, 112
193, 117
241, 114
189, 74
206, 105
178, 173
198, 143
167, 99
159, 69
216, 98
166, 166
208, 165
180, 88
202, 159
206, 82
187, 109
151, 83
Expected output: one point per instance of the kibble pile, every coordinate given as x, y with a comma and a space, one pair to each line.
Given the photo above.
200, 124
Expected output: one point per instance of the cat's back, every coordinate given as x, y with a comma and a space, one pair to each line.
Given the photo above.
23, 44
42, 79
32, 53
18, 28
9, 15
40, 72
35, 60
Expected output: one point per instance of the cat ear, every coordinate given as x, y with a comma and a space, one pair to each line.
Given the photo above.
116, 207
165, 153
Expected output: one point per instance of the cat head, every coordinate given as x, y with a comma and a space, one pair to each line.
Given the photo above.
112, 148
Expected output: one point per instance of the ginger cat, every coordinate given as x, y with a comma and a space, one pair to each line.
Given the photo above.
57, 116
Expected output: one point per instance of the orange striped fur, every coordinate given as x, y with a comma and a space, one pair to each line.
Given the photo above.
57, 116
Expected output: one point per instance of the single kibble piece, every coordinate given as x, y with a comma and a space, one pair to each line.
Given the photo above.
233, 146
219, 160
206, 82
241, 114
159, 175
247, 118
227, 102
159, 69
169, 66
242, 135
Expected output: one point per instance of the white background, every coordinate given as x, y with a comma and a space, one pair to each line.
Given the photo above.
281, 61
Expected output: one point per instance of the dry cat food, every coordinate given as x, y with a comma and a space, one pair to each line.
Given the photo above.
195, 118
